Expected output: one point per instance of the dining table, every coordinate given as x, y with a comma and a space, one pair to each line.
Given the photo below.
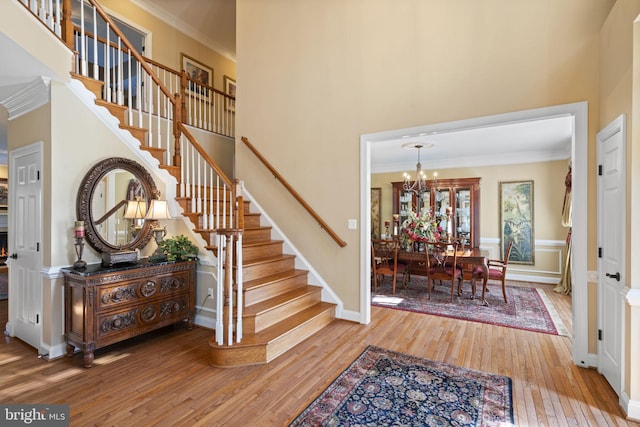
466, 256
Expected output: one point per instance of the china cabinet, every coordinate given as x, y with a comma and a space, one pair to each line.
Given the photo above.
455, 203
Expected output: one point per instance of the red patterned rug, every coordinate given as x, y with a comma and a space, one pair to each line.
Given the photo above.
384, 388
527, 308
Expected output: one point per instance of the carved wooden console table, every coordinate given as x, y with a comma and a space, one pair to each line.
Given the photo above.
105, 305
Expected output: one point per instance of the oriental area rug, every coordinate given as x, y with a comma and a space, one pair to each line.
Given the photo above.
527, 308
387, 388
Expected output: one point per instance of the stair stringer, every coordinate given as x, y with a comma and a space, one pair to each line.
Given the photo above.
314, 278
146, 159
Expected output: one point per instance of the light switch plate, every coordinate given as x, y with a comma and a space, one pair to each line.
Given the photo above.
353, 224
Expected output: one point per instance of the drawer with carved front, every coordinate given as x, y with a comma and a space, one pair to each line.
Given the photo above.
143, 288
164, 311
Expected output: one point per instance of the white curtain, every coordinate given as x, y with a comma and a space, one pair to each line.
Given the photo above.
564, 287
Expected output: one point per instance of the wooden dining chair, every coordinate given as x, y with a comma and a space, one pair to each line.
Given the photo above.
497, 270
442, 265
384, 260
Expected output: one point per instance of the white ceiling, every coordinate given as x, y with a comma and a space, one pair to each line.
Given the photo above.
508, 143
213, 23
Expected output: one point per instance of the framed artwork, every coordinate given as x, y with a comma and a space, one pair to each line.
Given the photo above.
376, 224
516, 221
4, 194
230, 89
197, 72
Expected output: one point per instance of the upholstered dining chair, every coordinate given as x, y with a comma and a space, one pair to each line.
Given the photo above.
384, 260
442, 265
497, 269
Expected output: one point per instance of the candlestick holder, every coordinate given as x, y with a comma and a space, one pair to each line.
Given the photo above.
79, 245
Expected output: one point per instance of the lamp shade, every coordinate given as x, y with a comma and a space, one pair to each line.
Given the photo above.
159, 209
136, 209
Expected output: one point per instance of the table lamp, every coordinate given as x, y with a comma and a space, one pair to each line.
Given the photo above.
159, 209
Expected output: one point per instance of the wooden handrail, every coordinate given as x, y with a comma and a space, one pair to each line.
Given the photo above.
177, 73
295, 194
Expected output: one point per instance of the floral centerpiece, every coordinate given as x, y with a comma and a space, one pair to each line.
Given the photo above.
420, 228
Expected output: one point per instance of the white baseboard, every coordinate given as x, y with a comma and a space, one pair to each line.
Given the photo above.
205, 321
55, 351
591, 361
205, 317
630, 407
531, 278
352, 316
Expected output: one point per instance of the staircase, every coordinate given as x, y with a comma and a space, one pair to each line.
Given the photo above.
280, 308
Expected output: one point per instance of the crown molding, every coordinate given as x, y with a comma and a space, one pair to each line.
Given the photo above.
27, 97
183, 27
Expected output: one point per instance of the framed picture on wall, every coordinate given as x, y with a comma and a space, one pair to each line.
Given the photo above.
376, 225
4, 194
230, 89
199, 74
516, 221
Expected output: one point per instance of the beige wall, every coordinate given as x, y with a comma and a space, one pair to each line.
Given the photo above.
327, 72
168, 43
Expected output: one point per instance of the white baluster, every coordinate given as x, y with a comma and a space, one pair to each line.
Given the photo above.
83, 52
182, 167
199, 203
107, 66
220, 294
57, 26
211, 195
139, 92
120, 75
129, 88
228, 271
239, 292
96, 71
203, 209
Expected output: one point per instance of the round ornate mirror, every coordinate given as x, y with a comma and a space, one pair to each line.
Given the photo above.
112, 201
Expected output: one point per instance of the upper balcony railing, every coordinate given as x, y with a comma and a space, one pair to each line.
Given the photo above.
205, 107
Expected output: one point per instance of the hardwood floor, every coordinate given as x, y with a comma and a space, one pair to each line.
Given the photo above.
163, 378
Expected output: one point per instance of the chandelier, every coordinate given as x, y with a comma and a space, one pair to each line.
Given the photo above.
419, 186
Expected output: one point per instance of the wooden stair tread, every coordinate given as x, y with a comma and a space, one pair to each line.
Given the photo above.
266, 260
272, 303
268, 280
263, 243
285, 327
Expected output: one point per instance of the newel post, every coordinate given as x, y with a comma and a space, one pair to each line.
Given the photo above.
67, 24
178, 110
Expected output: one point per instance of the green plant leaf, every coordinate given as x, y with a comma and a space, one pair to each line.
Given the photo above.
179, 248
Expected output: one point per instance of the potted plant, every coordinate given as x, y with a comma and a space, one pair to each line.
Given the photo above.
179, 248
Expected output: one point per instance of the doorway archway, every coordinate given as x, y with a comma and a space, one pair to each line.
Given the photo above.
579, 153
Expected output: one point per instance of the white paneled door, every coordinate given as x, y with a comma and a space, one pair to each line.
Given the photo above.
25, 234
611, 250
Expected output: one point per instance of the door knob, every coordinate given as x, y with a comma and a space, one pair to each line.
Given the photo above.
13, 256
614, 276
